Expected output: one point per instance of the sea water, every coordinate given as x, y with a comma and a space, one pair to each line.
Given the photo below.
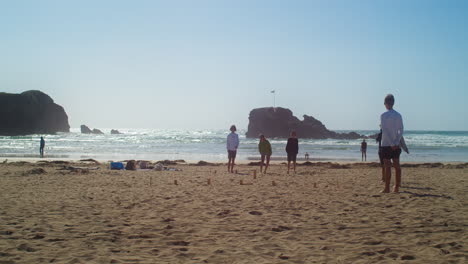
210, 145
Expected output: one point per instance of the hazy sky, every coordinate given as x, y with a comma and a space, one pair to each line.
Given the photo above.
206, 64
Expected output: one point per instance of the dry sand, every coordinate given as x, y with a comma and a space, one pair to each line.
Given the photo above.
326, 213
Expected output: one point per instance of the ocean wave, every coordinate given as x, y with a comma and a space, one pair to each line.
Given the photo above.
211, 145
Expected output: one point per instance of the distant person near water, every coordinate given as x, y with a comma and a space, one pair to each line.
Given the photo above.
292, 148
306, 156
232, 143
392, 131
363, 150
41, 148
264, 147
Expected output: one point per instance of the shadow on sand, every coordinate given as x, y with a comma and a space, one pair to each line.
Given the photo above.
427, 195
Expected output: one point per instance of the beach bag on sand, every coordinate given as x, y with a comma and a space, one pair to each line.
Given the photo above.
158, 167
116, 166
131, 165
143, 165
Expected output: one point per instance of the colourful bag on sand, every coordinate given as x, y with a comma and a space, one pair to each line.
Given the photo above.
116, 166
131, 165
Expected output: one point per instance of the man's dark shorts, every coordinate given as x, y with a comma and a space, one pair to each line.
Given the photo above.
292, 157
232, 154
389, 153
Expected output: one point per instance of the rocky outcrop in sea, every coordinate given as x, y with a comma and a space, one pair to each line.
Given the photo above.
31, 112
86, 130
279, 122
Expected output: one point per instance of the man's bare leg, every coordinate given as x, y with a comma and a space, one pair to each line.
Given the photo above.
289, 163
396, 164
267, 163
261, 163
388, 175
232, 165
383, 173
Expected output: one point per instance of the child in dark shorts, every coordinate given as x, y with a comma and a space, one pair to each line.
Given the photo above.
292, 148
264, 147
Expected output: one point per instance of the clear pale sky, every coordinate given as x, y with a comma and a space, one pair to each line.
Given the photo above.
206, 64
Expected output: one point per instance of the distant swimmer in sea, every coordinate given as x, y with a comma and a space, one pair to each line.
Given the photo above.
363, 150
41, 148
392, 131
292, 148
232, 143
264, 147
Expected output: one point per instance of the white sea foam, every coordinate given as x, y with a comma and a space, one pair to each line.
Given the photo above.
154, 144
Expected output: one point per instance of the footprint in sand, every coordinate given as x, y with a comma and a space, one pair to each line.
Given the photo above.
408, 257
280, 229
180, 243
255, 213
25, 247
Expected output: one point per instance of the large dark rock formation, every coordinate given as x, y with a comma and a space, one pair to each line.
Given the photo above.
279, 122
31, 112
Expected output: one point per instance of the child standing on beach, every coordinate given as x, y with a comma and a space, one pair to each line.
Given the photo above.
292, 148
264, 147
232, 143
41, 147
363, 150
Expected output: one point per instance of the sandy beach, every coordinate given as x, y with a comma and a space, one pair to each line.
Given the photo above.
325, 213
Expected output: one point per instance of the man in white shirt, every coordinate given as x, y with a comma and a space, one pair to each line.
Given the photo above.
232, 143
392, 131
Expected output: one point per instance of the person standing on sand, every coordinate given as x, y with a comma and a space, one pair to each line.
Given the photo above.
41, 147
392, 131
292, 148
363, 150
379, 140
232, 143
264, 147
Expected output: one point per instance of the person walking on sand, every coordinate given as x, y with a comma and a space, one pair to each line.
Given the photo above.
232, 143
292, 148
264, 147
392, 131
41, 147
364, 150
